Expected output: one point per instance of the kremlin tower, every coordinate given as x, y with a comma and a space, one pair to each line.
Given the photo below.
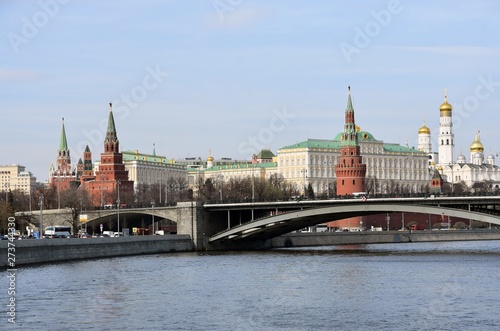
350, 170
111, 174
62, 175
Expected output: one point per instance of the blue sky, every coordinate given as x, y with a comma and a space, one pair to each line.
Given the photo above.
233, 76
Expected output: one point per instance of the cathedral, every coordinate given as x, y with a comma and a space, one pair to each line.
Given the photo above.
460, 170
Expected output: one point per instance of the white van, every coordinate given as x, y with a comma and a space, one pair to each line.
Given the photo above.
321, 228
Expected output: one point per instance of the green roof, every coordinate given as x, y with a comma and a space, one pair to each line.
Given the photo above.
315, 143
265, 154
235, 166
133, 155
362, 136
336, 143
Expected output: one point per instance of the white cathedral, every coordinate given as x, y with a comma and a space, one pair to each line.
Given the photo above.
457, 171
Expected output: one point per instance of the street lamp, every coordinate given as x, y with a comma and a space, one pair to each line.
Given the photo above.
59, 190
387, 218
153, 217
118, 205
103, 177
5, 185
304, 171
40, 235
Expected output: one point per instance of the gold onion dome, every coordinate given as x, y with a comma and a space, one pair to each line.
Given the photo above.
424, 129
476, 145
358, 128
445, 109
210, 158
440, 168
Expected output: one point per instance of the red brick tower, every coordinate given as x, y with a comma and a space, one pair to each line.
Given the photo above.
85, 168
350, 170
62, 176
111, 172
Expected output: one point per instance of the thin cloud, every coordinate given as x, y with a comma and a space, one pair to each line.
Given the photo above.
235, 17
450, 50
17, 75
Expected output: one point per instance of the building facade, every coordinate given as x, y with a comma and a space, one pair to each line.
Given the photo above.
15, 178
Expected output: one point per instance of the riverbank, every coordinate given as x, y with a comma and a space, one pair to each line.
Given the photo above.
382, 237
52, 250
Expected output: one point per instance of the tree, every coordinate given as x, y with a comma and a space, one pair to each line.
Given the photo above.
310, 192
75, 199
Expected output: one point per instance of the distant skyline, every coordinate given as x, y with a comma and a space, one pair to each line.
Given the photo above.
235, 76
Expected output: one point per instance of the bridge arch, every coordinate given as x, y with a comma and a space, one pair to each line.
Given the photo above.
274, 226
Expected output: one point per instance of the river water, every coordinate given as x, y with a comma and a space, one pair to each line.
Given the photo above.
412, 286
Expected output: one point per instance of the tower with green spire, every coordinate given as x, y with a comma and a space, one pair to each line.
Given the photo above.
62, 175
63, 155
350, 170
111, 176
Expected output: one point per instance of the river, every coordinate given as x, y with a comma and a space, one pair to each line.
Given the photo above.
412, 286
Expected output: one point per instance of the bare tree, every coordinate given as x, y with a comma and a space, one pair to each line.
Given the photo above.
76, 200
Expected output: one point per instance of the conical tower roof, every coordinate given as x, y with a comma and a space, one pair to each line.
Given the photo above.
349, 136
63, 142
111, 136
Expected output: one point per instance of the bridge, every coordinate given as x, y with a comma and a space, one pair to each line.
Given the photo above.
249, 224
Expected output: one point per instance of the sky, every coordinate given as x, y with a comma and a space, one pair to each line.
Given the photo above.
230, 77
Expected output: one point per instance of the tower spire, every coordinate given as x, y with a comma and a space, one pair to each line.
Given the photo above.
63, 142
350, 170
349, 136
111, 143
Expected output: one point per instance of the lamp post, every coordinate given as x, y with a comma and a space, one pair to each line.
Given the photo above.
327, 178
118, 205
5, 185
304, 171
41, 217
59, 191
253, 184
153, 217
387, 218
166, 188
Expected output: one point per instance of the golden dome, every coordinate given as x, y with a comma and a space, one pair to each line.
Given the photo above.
424, 129
476, 145
358, 129
440, 168
445, 109
445, 106
210, 159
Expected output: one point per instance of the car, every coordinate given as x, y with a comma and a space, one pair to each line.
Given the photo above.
104, 235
